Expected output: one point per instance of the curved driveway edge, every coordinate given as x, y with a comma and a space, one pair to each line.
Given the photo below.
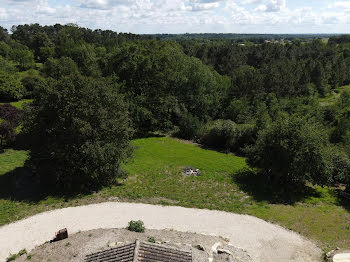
263, 241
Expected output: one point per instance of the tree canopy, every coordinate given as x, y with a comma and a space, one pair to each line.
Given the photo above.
79, 131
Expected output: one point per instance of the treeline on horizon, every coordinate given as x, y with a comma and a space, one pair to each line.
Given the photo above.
257, 100
255, 38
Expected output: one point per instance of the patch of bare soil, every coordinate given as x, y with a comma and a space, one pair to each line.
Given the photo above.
77, 246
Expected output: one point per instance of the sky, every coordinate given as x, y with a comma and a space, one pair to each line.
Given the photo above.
184, 16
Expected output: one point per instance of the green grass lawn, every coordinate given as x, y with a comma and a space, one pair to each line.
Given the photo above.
19, 104
333, 96
155, 177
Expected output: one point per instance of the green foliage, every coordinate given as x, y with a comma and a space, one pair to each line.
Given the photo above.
161, 81
238, 111
136, 226
31, 83
57, 68
189, 126
42, 46
151, 239
342, 118
7, 66
155, 177
4, 49
15, 256
339, 163
22, 55
11, 87
290, 151
12, 257
4, 36
220, 134
79, 134
45, 53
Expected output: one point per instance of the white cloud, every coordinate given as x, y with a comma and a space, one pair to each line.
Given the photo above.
3, 14
275, 5
341, 5
178, 16
104, 4
261, 8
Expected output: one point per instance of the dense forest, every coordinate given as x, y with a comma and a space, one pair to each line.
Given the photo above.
92, 91
256, 38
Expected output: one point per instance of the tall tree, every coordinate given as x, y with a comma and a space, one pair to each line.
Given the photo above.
79, 133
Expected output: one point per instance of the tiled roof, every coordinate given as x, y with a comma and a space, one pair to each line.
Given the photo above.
141, 252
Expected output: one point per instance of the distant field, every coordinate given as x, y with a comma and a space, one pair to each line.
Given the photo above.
155, 177
335, 94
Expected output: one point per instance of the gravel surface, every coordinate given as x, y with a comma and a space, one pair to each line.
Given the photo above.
263, 241
77, 246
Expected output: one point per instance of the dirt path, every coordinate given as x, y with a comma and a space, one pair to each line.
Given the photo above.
262, 240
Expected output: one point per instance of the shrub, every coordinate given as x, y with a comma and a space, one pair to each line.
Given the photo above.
10, 113
7, 133
339, 163
220, 134
15, 256
136, 226
238, 111
189, 126
151, 239
31, 82
11, 257
247, 134
11, 88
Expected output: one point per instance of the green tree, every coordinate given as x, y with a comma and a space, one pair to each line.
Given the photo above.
57, 68
43, 47
290, 151
22, 55
4, 36
79, 133
4, 49
11, 88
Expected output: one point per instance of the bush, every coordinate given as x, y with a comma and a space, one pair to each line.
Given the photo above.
189, 127
15, 256
238, 111
220, 134
339, 163
10, 116
57, 68
11, 88
151, 239
10, 113
7, 133
247, 135
31, 82
79, 134
136, 226
291, 152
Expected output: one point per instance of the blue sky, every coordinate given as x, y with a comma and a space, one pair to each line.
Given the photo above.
184, 16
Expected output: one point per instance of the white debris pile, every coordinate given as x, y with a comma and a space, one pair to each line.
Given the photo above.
190, 171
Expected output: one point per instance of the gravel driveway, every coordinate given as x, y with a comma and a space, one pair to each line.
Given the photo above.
263, 241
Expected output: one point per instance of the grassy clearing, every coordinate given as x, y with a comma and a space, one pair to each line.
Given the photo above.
333, 96
19, 104
155, 177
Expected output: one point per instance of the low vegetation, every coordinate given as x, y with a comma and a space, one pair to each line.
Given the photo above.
155, 176
136, 226
15, 256
90, 95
